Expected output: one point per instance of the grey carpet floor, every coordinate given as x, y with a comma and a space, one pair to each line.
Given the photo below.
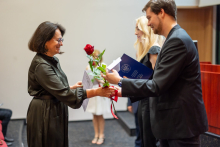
15, 131
81, 134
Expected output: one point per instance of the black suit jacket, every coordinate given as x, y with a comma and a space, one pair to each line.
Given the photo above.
176, 104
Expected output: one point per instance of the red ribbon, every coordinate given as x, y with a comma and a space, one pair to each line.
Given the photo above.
114, 99
113, 114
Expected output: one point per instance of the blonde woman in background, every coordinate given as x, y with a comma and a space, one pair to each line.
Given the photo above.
98, 106
148, 47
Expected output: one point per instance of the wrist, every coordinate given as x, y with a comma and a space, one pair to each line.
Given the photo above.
72, 87
120, 82
120, 79
91, 92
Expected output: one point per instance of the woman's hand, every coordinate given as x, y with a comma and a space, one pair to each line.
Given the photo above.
78, 84
105, 92
130, 109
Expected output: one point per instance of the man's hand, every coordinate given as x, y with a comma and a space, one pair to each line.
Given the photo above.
113, 77
119, 91
130, 109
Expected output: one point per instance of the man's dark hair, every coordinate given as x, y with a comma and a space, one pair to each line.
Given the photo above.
169, 7
43, 33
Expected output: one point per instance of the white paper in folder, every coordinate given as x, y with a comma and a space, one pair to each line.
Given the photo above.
87, 84
115, 65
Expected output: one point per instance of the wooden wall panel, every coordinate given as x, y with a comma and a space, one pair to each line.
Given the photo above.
210, 67
198, 23
211, 97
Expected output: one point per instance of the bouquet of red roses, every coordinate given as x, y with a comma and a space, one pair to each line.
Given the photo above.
96, 71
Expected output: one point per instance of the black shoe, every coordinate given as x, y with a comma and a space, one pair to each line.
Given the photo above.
9, 139
8, 143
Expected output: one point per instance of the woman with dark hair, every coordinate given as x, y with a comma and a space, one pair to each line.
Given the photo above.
47, 116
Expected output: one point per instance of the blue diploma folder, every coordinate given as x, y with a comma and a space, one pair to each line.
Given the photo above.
133, 69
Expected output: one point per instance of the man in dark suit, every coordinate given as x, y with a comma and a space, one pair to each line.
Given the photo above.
177, 110
133, 108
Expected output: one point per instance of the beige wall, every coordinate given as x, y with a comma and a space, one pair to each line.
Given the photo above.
106, 24
198, 22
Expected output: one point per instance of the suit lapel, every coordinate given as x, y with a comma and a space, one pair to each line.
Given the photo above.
170, 33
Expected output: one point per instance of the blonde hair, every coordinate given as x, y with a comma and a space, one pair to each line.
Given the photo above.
98, 52
94, 52
148, 37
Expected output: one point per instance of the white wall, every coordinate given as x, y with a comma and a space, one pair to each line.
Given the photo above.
106, 24
200, 3
186, 3
203, 3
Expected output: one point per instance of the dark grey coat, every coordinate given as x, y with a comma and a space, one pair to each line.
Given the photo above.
47, 120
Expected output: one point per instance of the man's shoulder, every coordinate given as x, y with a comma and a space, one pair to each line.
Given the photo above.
180, 34
179, 37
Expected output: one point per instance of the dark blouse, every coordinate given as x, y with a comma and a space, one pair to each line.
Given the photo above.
145, 60
144, 103
45, 77
147, 137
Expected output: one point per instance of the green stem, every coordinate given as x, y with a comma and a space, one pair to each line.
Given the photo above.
99, 65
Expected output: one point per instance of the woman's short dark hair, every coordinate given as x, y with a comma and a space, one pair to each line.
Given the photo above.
44, 32
169, 7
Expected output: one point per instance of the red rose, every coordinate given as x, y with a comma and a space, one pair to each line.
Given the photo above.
89, 49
